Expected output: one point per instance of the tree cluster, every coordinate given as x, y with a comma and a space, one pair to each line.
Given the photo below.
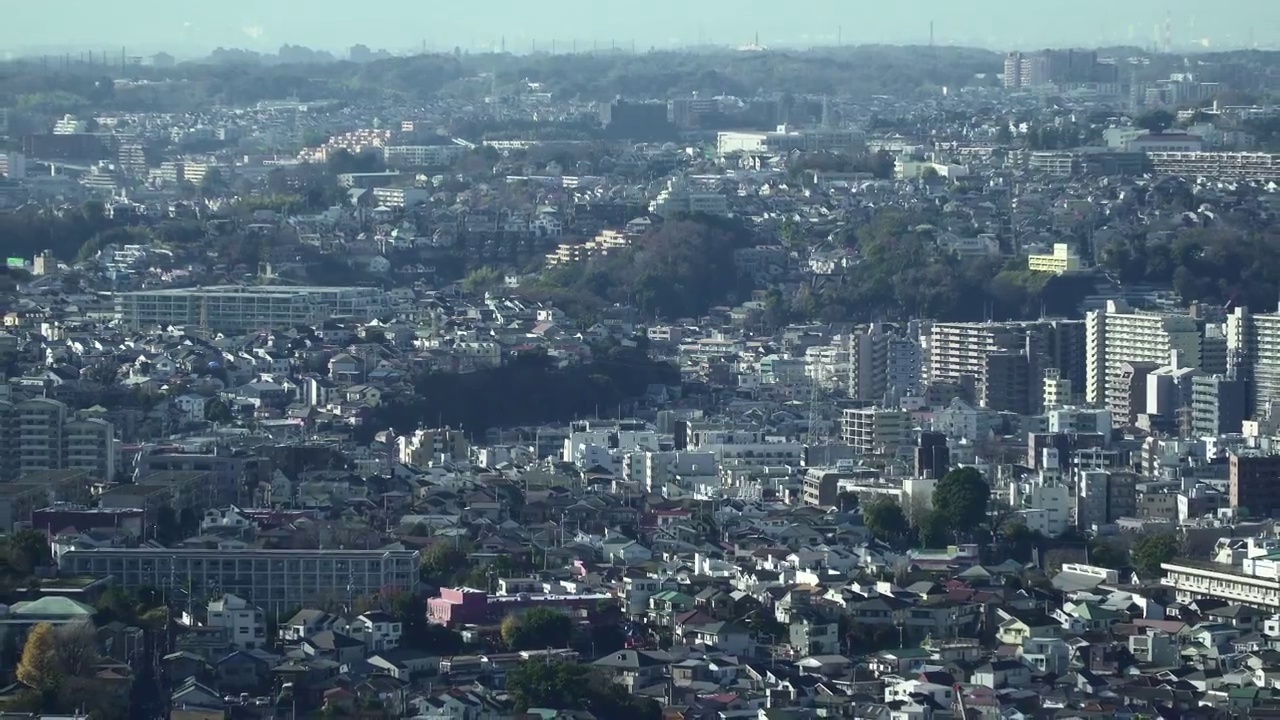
1215, 265
679, 269
529, 389
58, 665
538, 629
959, 509
901, 273
571, 686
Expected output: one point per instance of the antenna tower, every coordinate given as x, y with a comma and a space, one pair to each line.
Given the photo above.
1168, 32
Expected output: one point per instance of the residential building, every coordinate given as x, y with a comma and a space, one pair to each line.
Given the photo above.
1217, 165
1219, 405
876, 430
245, 624
275, 580
1253, 352
37, 434
786, 139
232, 307
1117, 336
1254, 484
1062, 260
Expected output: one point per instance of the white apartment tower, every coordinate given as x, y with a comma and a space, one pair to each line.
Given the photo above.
1253, 355
1118, 335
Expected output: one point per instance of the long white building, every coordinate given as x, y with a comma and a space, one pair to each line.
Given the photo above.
232, 307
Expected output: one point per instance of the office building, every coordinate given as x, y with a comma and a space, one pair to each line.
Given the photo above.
232, 307
1218, 405
688, 112
40, 434
875, 431
275, 580
1116, 336
1253, 355
1253, 483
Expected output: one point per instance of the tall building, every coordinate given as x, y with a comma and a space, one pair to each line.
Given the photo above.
1117, 335
1253, 355
961, 350
1253, 483
868, 364
1013, 71
1218, 405
39, 434
13, 165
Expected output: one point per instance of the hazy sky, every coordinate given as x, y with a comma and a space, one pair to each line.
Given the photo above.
188, 28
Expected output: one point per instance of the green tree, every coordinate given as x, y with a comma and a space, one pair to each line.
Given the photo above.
442, 564
88, 249
26, 550
480, 280
847, 501
1156, 121
538, 629
1149, 551
216, 411
885, 519
961, 498
934, 530
1104, 554
38, 668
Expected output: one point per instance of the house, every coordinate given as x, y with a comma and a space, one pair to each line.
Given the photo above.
633, 669
812, 635
377, 630
1016, 626
191, 406
1002, 674
726, 636
336, 646
307, 622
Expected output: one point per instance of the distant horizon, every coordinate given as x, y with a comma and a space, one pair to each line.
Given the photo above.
541, 50
402, 26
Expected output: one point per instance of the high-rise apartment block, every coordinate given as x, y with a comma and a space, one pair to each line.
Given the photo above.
1253, 355
40, 434
986, 354
1117, 335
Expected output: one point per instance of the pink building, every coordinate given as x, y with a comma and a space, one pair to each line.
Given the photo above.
465, 606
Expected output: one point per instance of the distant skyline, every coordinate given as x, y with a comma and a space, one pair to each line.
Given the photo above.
148, 26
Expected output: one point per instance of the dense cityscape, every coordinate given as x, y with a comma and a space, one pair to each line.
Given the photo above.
871, 382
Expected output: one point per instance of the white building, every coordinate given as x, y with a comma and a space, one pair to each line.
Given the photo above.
13, 165
785, 139
245, 625
678, 198
232, 307
377, 630
1116, 336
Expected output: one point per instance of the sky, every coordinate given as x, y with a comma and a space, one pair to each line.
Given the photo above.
187, 29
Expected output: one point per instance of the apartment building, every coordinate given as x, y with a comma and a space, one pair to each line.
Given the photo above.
1217, 165
233, 308
1252, 580
960, 350
1117, 335
876, 430
39, 434
275, 580
1254, 484
423, 445
421, 155
1253, 352
400, 197
608, 241
868, 364
1219, 405
1061, 260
